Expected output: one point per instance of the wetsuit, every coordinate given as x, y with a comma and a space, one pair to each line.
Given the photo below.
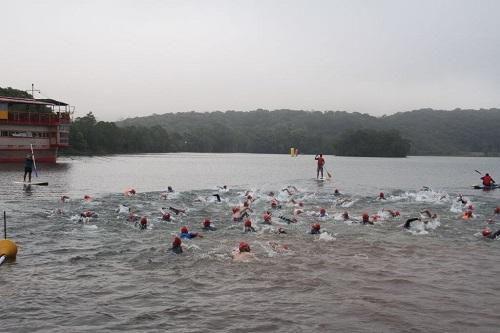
28, 168
409, 221
287, 219
209, 228
494, 235
176, 211
177, 249
315, 232
249, 229
188, 235
217, 196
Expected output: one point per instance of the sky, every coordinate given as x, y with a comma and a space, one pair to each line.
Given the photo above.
121, 59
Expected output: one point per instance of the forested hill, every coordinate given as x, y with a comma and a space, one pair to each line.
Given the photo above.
431, 132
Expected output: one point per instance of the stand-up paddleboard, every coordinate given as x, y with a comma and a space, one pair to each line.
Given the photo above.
37, 183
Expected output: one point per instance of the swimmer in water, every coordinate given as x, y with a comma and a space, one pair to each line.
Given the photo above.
488, 234
177, 211
275, 204
185, 234
177, 245
281, 231
267, 218
336, 193
64, 198
322, 213
428, 214
166, 217
461, 199
143, 225
287, 219
408, 222
217, 196
365, 219
381, 196
393, 213
207, 225
170, 189
248, 226
315, 229
244, 253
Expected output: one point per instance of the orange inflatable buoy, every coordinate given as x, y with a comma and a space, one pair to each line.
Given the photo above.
8, 249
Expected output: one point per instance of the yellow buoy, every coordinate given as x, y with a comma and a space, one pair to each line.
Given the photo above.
8, 249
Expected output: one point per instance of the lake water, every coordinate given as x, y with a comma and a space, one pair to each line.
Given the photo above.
107, 275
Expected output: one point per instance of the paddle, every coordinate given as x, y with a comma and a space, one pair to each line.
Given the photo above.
34, 163
479, 172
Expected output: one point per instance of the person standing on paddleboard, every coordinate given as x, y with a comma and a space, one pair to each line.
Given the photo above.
28, 167
321, 163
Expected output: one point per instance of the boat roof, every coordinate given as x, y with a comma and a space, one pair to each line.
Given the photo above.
20, 100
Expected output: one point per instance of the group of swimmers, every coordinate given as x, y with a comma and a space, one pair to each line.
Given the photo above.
242, 214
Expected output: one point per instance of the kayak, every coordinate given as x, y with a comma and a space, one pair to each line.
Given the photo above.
482, 187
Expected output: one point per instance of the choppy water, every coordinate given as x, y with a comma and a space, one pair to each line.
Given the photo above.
107, 275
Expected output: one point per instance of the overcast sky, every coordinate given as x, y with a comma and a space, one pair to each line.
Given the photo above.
121, 59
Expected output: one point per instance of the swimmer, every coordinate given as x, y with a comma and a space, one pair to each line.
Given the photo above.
345, 216
281, 231
87, 197
277, 247
143, 225
336, 193
166, 217
488, 234
177, 211
207, 225
217, 196
497, 210
365, 219
244, 253
315, 229
170, 189
267, 218
381, 196
322, 213
177, 245
468, 215
132, 217
248, 226
393, 213
275, 204
130, 192
185, 234
87, 215
461, 199
427, 213
287, 219
64, 198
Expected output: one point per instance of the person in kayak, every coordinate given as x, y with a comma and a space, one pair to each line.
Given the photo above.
487, 180
321, 163
28, 167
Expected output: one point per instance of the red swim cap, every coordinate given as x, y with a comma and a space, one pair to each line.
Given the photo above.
246, 204
248, 223
316, 226
486, 232
381, 195
468, 213
206, 223
177, 242
235, 209
244, 247
497, 210
166, 216
267, 217
87, 197
144, 220
249, 197
322, 211
184, 229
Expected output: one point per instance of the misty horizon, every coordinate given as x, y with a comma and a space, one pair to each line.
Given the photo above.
122, 59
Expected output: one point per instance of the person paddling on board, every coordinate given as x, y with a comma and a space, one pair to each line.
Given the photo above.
28, 167
487, 180
321, 163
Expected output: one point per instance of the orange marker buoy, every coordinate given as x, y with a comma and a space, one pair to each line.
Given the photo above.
8, 250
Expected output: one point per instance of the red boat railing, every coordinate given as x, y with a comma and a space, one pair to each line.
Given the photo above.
37, 118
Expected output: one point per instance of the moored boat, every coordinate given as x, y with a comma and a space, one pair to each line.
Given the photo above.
39, 124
